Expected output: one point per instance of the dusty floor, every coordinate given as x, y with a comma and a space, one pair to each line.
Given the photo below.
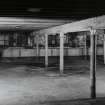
28, 85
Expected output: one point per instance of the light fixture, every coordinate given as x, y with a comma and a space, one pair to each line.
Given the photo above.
34, 9
17, 27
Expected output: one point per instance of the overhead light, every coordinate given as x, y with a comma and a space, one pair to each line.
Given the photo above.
17, 27
34, 9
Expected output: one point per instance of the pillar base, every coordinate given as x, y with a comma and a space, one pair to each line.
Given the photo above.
46, 67
61, 71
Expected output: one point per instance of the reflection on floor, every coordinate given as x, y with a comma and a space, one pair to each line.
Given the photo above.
29, 84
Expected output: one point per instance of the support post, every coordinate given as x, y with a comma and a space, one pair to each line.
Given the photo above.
85, 48
104, 45
61, 53
37, 46
93, 63
46, 50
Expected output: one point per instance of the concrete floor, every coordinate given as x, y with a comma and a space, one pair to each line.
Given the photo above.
28, 85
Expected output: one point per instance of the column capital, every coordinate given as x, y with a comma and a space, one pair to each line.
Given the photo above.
61, 34
92, 31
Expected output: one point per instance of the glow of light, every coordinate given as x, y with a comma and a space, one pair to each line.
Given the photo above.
34, 9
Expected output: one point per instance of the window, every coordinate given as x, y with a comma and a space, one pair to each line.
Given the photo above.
16, 39
53, 40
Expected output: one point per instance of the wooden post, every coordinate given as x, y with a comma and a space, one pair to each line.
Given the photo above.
93, 63
104, 46
85, 47
46, 50
37, 46
61, 53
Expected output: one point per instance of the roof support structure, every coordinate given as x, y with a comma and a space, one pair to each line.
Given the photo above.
61, 53
104, 46
85, 46
93, 62
91, 25
83, 25
46, 51
37, 47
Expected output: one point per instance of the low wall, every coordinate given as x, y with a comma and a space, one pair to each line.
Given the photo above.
21, 52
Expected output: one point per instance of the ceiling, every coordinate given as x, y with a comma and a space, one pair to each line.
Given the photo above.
41, 14
12, 23
64, 9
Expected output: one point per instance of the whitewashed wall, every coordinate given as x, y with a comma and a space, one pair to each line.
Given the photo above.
20, 52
